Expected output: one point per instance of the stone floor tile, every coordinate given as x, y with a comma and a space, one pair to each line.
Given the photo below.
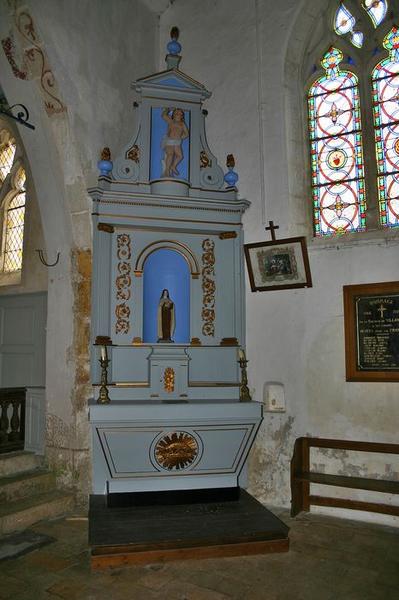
219, 582
10, 587
47, 561
330, 559
28, 576
183, 590
67, 589
155, 580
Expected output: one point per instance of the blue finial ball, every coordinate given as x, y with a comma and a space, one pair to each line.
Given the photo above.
231, 177
105, 167
174, 47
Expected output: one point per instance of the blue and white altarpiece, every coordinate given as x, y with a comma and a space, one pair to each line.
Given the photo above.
167, 226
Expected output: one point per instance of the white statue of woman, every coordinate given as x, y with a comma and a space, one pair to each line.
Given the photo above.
166, 318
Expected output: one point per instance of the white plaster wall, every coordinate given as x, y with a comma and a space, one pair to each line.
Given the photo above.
96, 50
294, 337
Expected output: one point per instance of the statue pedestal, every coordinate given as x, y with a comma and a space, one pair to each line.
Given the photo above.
169, 372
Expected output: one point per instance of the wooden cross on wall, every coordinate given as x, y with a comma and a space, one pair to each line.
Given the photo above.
272, 227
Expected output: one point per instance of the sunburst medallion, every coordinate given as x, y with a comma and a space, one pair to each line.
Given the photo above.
176, 450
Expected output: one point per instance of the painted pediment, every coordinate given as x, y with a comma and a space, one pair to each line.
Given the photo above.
174, 79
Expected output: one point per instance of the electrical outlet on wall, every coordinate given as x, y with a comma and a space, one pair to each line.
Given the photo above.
274, 397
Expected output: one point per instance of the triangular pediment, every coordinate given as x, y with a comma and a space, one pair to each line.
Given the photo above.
172, 78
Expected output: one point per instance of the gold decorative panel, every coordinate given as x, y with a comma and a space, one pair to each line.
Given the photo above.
123, 283
176, 450
169, 380
208, 287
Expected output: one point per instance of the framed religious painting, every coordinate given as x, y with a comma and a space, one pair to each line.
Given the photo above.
278, 265
371, 316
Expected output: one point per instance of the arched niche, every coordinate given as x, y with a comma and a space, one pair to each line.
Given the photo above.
166, 269
182, 249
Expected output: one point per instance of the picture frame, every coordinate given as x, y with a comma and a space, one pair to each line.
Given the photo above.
371, 320
278, 264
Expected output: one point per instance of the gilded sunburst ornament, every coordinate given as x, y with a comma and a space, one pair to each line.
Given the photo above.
176, 450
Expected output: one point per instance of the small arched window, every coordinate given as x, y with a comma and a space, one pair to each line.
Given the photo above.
14, 220
13, 200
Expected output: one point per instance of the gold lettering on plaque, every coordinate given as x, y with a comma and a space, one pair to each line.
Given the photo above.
377, 332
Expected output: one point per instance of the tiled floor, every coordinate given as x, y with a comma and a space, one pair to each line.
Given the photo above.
329, 559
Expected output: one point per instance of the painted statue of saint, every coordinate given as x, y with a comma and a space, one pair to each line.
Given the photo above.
166, 318
172, 141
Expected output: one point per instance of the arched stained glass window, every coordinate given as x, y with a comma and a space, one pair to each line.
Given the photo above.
338, 192
376, 9
385, 81
14, 225
12, 206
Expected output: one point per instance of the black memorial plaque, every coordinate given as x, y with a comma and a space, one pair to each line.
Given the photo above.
377, 327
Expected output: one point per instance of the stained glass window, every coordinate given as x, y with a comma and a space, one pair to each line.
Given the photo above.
345, 22
7, 153
357, 38
376, 9
385, 81
13, 208
339, 202
14, 226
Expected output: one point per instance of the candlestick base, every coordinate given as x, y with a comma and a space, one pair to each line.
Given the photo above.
103, 397
245, 395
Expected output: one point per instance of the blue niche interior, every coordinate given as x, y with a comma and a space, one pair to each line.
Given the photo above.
159, 133
166, 269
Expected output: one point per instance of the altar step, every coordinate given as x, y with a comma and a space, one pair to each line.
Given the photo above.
28, 492
18, 462
148, 534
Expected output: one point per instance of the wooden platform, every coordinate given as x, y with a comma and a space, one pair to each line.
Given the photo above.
154, 533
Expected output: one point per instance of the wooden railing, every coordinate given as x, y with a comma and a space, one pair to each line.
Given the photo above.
302, 477
12, 419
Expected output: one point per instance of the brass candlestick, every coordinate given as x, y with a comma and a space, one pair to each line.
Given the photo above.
245, 395
103, 397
